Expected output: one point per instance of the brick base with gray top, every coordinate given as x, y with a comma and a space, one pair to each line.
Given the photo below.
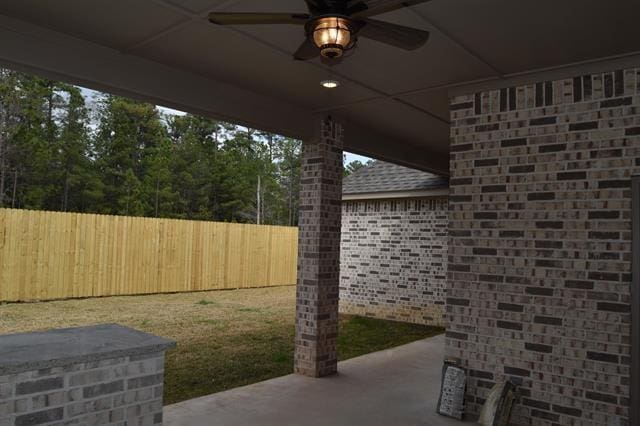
104, 374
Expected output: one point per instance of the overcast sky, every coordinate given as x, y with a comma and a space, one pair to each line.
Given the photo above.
91, 95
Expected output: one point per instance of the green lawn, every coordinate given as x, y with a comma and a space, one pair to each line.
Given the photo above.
225, 338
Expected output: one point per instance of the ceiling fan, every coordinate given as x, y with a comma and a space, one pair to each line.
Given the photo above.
333, 26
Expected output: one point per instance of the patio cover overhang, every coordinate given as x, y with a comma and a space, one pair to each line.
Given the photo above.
394, 104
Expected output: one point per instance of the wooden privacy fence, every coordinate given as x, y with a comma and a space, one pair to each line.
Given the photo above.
48, 255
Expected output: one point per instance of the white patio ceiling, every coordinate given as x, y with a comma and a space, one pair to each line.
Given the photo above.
394, 103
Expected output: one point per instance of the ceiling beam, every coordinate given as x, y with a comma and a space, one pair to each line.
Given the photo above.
399, 95
559, 72
446, 35
361, 140
58, 56
190, 17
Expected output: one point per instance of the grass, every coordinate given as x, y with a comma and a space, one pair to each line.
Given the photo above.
359, 335
225, 338
205, 302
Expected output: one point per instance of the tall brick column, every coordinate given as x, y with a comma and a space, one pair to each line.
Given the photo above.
319, 252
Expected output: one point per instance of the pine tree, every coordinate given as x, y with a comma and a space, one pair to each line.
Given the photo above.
78, 180
128, 159
34, 144
9, 119
130, 147
196, 166
354, 166
289, 154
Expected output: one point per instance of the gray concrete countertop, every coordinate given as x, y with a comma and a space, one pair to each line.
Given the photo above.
32, 351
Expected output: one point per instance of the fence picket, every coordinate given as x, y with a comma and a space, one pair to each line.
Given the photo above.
52, 255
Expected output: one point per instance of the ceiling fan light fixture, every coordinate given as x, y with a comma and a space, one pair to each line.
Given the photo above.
330, 84
333, 27
332, 36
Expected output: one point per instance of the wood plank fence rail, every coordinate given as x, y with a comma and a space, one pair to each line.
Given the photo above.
49, 255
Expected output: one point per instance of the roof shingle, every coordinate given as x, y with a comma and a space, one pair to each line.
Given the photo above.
387, 177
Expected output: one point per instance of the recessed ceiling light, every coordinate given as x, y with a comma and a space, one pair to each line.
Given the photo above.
330, 84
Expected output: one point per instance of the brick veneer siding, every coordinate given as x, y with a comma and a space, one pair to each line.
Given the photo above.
319, 253
393, 259
539, 248
89, 388
109, 391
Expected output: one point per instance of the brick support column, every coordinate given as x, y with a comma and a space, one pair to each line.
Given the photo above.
319, 253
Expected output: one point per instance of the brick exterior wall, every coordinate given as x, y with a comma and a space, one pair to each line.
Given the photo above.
319, 253
539, 249
120, 391
393, 259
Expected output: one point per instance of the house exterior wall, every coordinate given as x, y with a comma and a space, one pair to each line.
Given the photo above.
393, 259
540, 244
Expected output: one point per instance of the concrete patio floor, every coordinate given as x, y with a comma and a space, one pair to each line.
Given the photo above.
398, 386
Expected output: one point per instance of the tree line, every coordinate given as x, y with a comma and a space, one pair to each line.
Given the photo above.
125, 157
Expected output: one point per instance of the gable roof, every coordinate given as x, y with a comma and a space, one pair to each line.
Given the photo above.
381, 178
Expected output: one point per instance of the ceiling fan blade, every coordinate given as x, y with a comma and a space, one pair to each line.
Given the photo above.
225, 18
367, 8
317, 6
306, 51
395, 35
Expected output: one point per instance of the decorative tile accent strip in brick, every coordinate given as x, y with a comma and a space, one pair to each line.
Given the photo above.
393, 259
90, 375
319, 253
540, 245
